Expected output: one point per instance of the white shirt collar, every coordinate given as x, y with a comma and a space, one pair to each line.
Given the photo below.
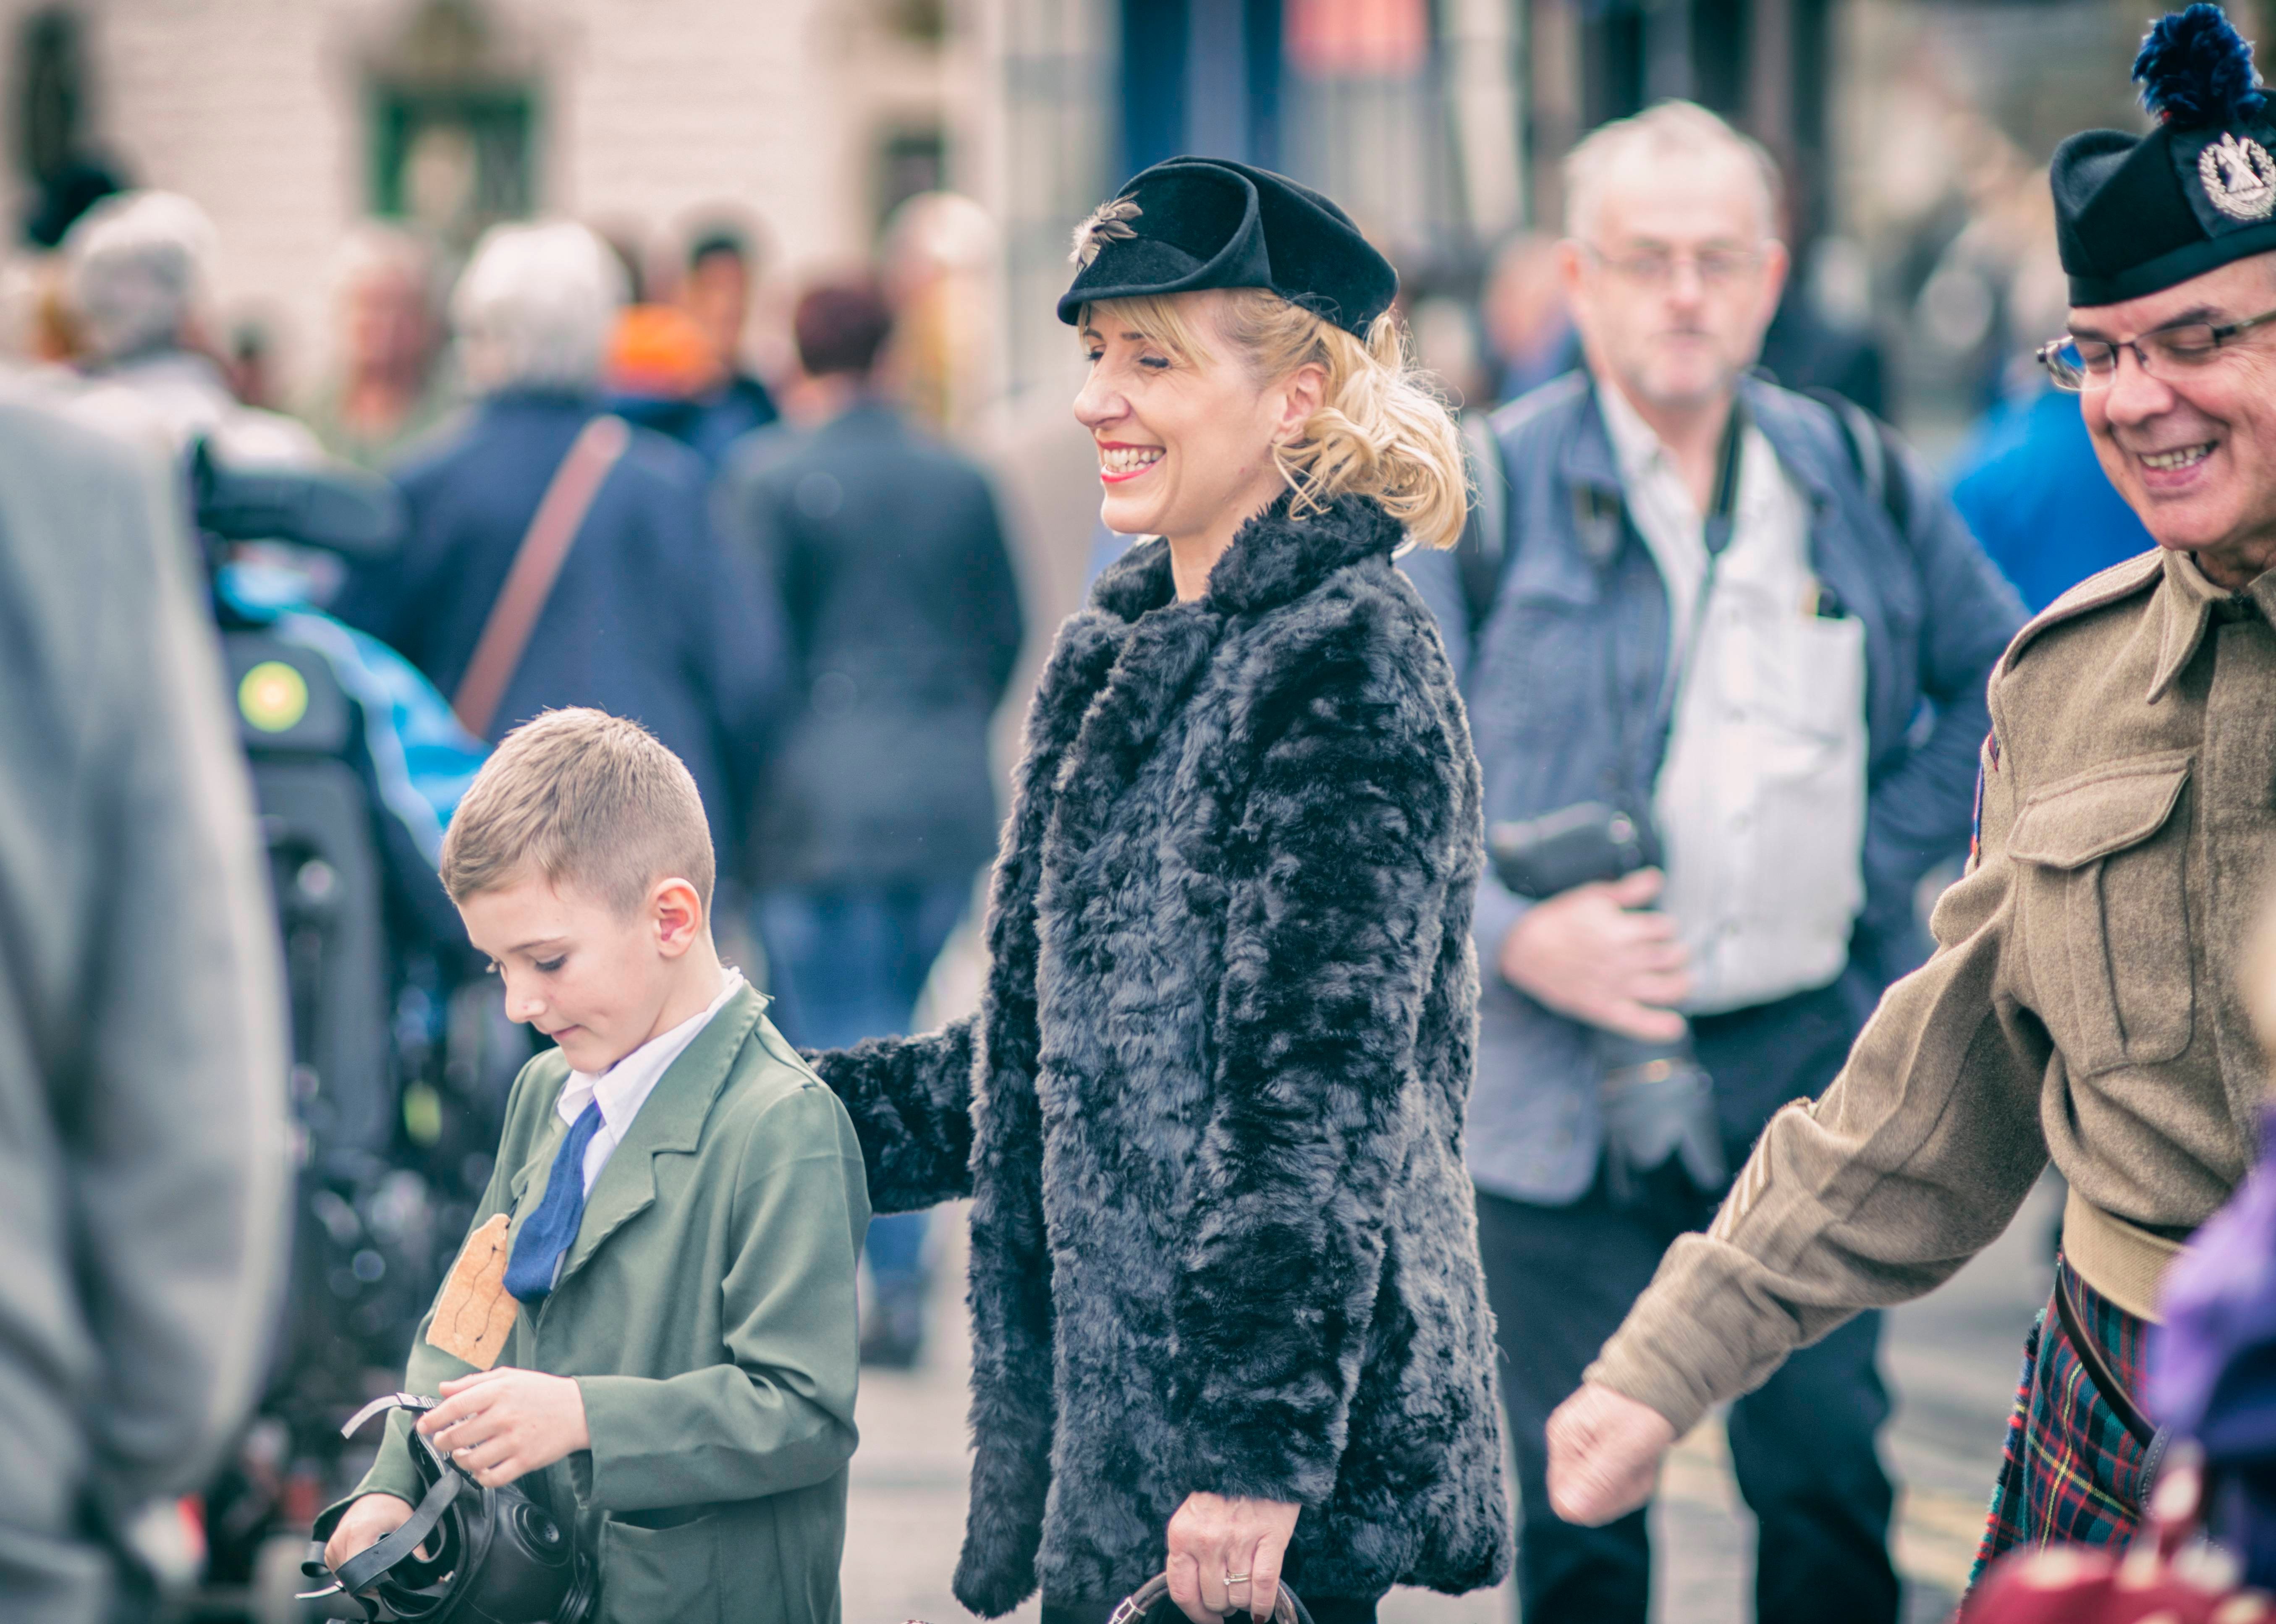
624, 1087
1636, 447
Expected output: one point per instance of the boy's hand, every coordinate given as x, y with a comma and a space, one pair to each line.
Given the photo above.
363, 1525
500, 1424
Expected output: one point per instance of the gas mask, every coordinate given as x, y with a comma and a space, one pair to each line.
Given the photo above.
493, 1556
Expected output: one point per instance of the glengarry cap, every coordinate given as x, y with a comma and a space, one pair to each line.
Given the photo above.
2135, 214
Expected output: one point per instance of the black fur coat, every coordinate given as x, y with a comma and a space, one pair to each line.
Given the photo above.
1210, 1114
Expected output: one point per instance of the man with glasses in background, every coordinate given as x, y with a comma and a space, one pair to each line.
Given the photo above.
1742, 627
2083, 1004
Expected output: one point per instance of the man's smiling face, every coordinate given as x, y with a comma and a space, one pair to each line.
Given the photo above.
2194, 453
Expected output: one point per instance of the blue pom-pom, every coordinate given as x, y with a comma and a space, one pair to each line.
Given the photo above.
2194, 70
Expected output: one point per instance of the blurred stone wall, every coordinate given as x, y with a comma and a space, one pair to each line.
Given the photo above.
647, 114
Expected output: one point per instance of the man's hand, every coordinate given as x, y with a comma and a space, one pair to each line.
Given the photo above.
500, 1424
1583, 953
363, 1525
1604, 1451
1225, 1555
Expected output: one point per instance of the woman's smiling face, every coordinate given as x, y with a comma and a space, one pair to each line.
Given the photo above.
1183, 438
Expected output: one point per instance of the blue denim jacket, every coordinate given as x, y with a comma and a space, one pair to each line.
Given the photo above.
1566, 674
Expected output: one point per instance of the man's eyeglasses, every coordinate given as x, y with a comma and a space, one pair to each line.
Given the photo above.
2171, 353
1718, 269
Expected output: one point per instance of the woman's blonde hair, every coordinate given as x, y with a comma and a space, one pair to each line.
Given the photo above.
1381, 431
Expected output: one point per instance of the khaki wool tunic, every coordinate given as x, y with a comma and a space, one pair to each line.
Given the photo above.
2083, 1004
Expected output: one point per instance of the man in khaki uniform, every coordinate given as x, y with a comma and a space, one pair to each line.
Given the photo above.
2082, 1002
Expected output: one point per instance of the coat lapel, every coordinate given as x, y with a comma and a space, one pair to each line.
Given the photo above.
672, 1119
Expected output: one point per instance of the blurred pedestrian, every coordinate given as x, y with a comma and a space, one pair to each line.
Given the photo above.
557, 558
1529, 337
678, 366
1702, 615
880, 811
1228, 1321
940, 260
386, 391
661, 370
143, 1169
715, 292
2083, 1004
1822, 339
138, 285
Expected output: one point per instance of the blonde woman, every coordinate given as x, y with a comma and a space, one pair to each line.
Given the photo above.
1228, 1317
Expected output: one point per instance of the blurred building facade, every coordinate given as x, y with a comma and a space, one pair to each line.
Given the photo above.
1440, 123
289, 119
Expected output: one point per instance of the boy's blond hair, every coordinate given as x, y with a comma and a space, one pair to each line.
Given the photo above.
588, 800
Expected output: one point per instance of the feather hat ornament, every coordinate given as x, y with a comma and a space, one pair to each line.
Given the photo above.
1108, 222
2195, 69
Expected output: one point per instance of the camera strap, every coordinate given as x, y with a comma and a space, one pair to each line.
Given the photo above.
1715, 534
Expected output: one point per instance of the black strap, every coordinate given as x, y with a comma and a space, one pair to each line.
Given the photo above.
1482, 552
369, 1565
2089, 1354
375, 1559
1874, 455
1716, 526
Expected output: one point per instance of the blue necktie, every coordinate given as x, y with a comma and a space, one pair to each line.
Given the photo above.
548, 1232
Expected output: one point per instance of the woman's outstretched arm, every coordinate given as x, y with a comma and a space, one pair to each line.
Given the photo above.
911, 1102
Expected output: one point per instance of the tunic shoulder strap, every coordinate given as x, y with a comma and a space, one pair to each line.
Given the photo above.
2118, 583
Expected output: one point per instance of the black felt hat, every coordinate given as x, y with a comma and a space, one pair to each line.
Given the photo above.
1190, 224
2134, 214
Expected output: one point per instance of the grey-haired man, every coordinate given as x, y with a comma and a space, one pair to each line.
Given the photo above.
1749, 625
2083, 1004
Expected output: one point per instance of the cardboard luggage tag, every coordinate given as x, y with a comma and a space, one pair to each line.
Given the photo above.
475, 1313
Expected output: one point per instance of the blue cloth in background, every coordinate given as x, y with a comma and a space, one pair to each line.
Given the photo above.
849, 963
2030, 487
2212, 1362
1107, 546
706, 425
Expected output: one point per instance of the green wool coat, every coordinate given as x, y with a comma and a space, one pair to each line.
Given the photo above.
707, 1310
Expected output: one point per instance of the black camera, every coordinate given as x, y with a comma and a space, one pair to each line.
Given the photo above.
1659, 1102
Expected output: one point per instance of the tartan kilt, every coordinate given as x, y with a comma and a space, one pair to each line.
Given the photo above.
2072, 1473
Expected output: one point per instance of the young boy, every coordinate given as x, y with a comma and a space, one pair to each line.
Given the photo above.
683, 1204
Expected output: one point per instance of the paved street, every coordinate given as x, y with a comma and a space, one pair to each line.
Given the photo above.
1951, 1358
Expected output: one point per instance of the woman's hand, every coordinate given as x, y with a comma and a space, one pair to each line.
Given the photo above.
500, 1424
1225, 1555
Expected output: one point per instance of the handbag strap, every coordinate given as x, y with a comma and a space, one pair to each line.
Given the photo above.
1286, 1609
536, 565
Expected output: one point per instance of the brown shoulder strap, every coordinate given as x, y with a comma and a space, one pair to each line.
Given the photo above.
536, 565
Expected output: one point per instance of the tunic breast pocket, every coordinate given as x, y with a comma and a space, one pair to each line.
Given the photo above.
2104, 912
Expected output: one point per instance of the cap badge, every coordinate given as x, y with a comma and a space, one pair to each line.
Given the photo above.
1110, 223
2239, 178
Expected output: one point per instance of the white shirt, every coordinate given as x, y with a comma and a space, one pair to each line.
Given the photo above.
624, 1087
1761, 799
